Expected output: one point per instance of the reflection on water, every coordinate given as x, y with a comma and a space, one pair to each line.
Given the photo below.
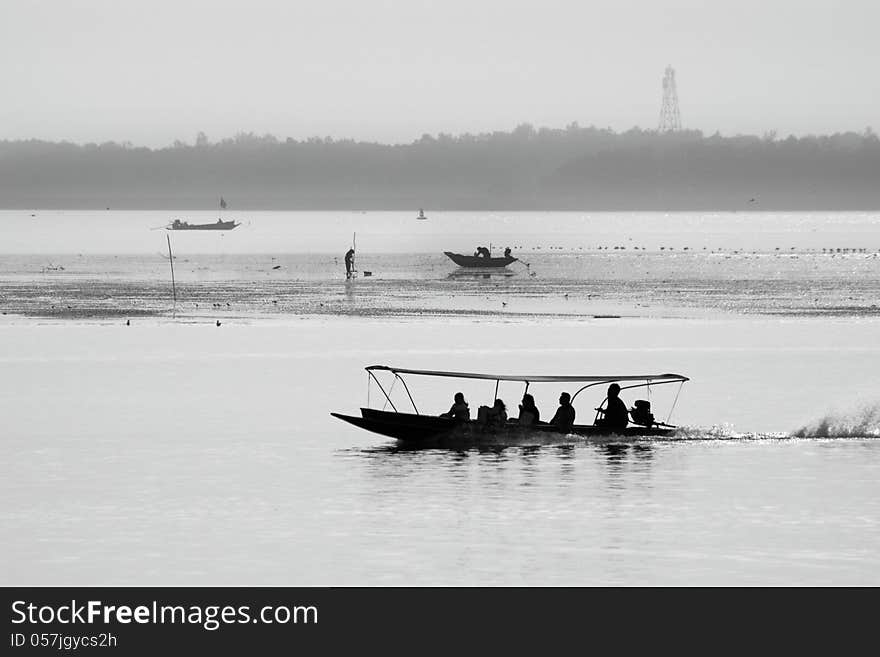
480, 274
396, 460
350, 289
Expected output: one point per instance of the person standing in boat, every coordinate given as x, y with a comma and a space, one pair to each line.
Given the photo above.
459, 409
615, 414
564, 418
507, 252
349, 259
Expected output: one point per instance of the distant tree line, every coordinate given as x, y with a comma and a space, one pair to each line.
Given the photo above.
575, 168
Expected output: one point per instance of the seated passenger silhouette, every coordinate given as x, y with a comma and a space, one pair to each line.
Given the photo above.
459, 409
498, 414
493, 417
615, 414
564, 418
528, 413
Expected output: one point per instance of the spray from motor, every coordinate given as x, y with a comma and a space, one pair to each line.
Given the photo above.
860, 423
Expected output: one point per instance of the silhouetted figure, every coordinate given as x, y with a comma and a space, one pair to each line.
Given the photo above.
498, 413
493, 417
483, 252
615, 413
528, 413
507, 252
349, 259
459, 409
564, 417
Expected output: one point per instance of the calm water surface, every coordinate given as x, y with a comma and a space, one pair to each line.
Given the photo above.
184, 453
174, 451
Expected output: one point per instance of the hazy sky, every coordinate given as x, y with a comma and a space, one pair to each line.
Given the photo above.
152, 71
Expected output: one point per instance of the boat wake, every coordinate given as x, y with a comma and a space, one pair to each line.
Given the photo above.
861, 423
724, 432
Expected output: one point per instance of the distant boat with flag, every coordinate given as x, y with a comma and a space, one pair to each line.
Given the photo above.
177, 224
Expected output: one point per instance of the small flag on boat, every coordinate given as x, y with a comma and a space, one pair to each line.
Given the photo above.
222, 203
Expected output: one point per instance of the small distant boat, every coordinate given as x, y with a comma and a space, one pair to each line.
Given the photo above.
177, 224
479, 261
421, 216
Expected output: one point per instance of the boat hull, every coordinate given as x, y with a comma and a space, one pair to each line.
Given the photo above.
473, 262
433, 431
219, 225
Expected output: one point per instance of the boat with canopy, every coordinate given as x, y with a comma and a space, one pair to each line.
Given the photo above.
415, 428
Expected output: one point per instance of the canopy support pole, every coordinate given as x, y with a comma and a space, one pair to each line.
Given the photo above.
383, 391
590, 385
406, 387
674, 402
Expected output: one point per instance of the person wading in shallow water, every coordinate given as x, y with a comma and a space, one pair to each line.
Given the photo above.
349, 259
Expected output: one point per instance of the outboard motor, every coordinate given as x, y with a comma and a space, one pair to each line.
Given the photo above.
641, 413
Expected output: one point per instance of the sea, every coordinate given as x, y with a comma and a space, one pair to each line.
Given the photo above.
166, 420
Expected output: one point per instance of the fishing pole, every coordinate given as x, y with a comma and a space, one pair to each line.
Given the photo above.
528, 266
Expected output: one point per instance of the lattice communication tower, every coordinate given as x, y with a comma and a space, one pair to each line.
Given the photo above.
670, 119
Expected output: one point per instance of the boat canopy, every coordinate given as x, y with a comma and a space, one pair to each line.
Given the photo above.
532, 379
